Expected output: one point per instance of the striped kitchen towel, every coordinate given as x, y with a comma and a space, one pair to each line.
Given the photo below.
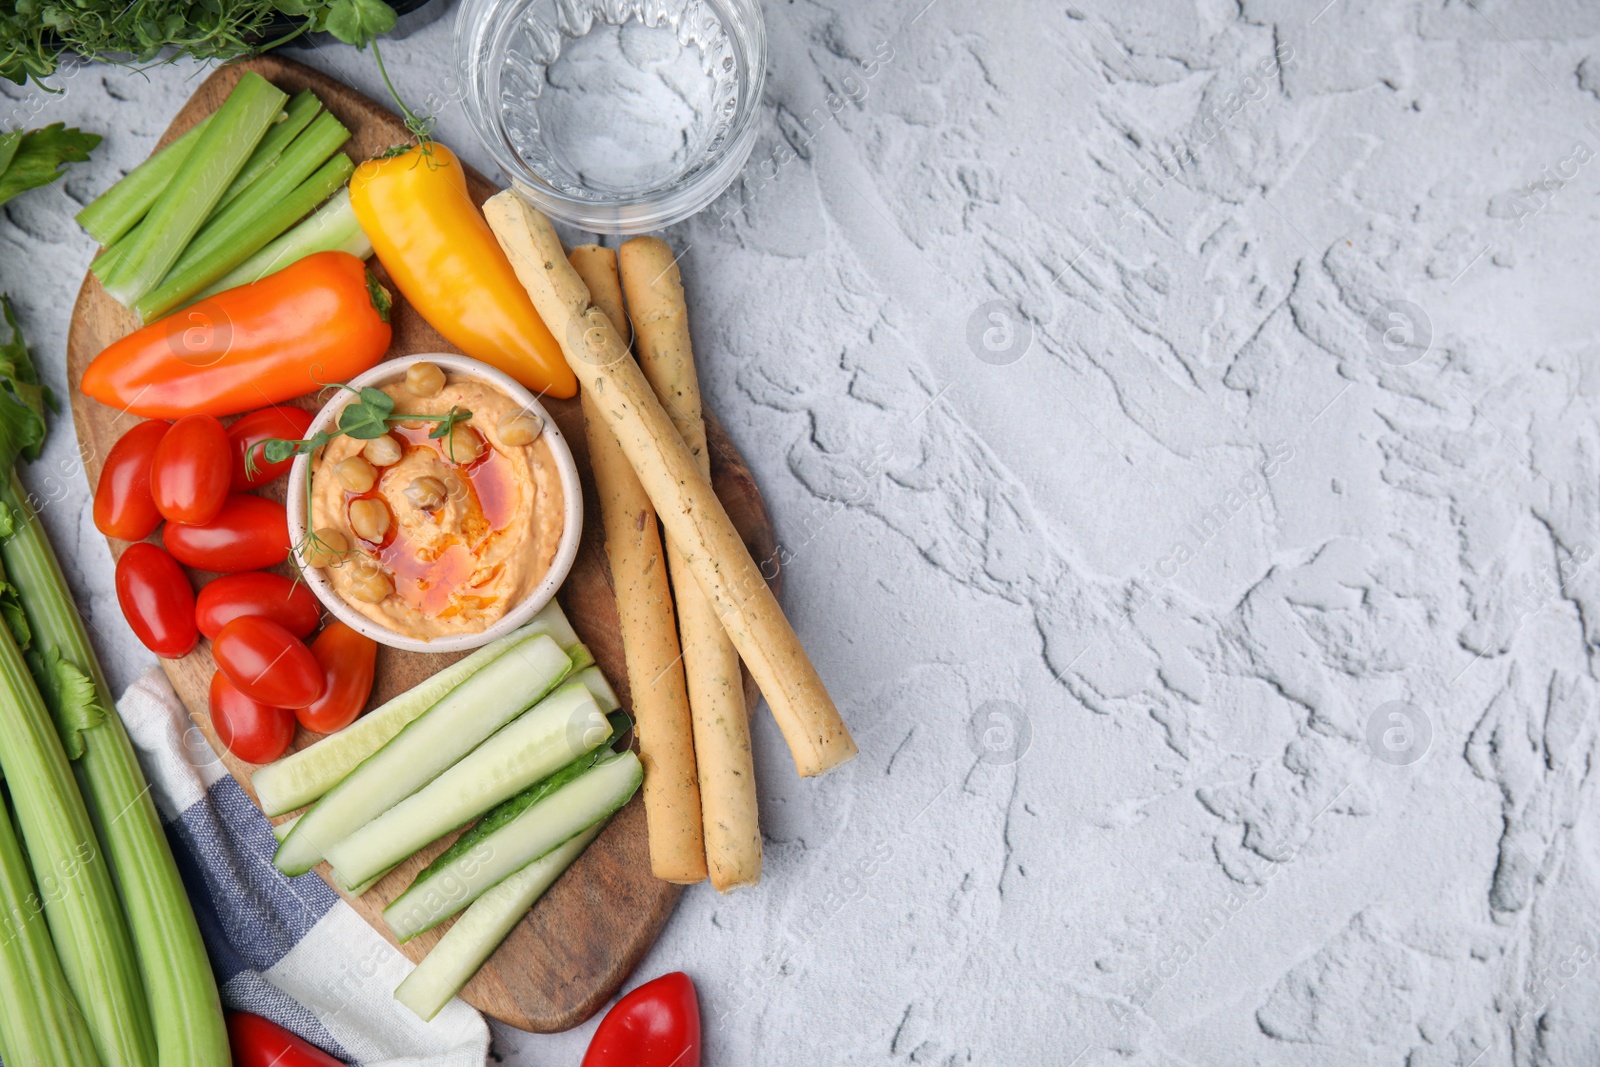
286, 948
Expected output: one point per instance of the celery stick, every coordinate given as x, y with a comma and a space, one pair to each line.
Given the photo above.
119, 209
332, 229
73, 877
180, 211
474, 937
103, 264
176, 973
301, 777
210, 258
39, 1020
296, 117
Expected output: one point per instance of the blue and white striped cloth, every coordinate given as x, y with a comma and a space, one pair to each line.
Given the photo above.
286, 948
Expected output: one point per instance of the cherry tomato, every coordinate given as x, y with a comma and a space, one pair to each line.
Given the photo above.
288, 603
290, 424
191, 470
248, 534
657, 1025
156, 600
348, 661
251, 730
268, 663
123, 506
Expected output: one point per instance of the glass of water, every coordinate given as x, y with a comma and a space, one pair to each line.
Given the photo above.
616, 117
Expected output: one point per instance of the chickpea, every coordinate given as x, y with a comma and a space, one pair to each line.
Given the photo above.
370, 583
463, 445
382, 451
356, 474
369, 519
426, 492
424, 379
327, 547
517, 428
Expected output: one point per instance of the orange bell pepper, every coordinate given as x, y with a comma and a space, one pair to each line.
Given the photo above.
436, 246
318, 321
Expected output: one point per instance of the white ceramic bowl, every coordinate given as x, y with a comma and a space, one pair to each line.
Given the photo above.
387, 373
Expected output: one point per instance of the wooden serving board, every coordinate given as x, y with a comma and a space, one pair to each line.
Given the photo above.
575, 948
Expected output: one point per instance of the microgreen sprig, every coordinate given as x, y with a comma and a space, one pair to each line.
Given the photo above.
367, 418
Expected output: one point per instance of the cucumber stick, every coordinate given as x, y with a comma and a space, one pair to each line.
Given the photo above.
474, 937
559, 729
300, 778
598, 688
493, 850
426, 748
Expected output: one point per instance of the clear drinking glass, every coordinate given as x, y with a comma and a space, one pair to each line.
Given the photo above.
614, 117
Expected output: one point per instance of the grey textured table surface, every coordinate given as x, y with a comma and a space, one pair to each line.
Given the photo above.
1180, 420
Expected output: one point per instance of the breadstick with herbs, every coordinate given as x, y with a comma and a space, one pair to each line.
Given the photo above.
654, 289
649, 634
688, 509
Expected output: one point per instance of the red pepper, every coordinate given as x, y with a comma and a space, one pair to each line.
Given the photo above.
317, 321
258, 1042
657, 1025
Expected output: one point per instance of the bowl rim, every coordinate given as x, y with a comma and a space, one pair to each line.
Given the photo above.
572, 492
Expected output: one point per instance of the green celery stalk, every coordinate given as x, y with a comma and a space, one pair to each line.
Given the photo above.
333, 228
39, 1020
119, 209
113, 968
303, 107
182, 992
80, 902
183, 206
301, 110
206, 261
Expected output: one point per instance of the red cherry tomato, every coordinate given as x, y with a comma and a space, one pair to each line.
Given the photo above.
191, 470
348, 661
290, 424
258, 1042
248, 534
288, 603
123, 506
657, 1025
251, 730
156, 600
268, 663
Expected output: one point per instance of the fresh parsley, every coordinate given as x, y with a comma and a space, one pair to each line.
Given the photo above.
29, 160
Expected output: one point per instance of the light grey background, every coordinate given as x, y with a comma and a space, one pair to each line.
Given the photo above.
1065, 345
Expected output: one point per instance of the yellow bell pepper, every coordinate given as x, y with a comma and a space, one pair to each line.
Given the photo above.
433, 241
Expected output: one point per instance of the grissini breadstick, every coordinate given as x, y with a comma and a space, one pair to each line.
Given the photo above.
654, 290
688, 509
649, 636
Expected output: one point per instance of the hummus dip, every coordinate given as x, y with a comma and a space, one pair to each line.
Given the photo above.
459, 560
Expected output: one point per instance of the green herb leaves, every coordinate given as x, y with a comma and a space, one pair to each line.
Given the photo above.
34, 34
22, 399
29, 160
368, 416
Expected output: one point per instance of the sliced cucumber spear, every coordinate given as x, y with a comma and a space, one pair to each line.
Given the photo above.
559, 729
474, 937
298, 779
426, 748
508, 839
